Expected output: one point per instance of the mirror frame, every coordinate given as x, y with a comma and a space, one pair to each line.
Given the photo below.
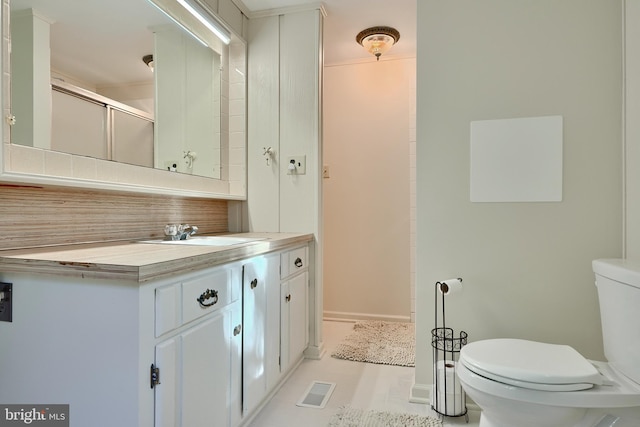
33, 166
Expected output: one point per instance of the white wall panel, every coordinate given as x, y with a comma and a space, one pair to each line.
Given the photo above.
263, 187
299, 119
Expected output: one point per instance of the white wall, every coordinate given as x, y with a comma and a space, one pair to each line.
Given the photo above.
526, 266
366, 139
632, 129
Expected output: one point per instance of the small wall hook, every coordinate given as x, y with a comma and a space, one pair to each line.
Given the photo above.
268, 154
190, 156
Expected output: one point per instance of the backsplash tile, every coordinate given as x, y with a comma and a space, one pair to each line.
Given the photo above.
34, 216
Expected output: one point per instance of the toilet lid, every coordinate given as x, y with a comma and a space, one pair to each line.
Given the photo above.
530, 364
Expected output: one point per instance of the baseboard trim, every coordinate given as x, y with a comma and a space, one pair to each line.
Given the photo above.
343, 316
420, 393
315, 352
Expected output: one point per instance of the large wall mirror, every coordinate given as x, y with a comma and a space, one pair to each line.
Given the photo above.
137, 82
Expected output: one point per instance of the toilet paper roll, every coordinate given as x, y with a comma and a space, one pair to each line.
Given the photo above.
450, 286
448, 397
446, 381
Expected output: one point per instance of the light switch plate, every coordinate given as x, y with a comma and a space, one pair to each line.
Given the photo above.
300, 163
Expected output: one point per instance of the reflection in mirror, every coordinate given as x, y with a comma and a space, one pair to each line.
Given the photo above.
80, 85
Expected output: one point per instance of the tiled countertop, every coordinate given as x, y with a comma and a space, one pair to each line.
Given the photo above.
137, 261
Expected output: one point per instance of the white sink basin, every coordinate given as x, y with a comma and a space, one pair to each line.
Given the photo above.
209, 241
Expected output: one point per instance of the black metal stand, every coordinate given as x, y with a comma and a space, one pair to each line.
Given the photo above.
447, 398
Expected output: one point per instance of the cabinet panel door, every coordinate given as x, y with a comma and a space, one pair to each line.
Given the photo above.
253, 342
284, 325
260, 344
166, 397
272, 337
235, 407
298, 315
206, 372
295, 318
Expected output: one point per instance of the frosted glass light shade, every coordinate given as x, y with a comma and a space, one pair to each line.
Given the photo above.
378, 40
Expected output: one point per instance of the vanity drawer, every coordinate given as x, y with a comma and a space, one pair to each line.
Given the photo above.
293, 261
180, 303
205, 294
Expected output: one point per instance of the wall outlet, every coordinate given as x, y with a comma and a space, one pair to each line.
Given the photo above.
299, 163
6, 302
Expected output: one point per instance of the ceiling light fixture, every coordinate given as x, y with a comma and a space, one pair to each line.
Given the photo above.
378, 40
148, 61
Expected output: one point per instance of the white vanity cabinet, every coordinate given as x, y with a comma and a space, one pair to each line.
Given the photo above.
198, 358
294, 302
204, 346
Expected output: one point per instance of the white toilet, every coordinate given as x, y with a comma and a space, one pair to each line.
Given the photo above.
519, 383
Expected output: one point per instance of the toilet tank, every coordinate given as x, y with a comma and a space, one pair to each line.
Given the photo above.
618, 283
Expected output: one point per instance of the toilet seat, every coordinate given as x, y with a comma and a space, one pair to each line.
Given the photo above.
531, 365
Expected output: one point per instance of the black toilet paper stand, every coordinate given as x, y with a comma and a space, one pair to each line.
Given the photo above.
447, 397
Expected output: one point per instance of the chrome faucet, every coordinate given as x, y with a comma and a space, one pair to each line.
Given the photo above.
179, 231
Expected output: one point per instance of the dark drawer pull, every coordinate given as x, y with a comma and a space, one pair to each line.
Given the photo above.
287, 298
254, 283
298, 262
209, 293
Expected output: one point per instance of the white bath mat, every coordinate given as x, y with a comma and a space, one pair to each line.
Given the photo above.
353, 417
373, 341
317, 395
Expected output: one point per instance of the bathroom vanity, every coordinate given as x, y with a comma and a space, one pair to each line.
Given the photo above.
150, 334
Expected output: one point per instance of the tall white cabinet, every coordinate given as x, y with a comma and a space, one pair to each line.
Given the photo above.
284, 113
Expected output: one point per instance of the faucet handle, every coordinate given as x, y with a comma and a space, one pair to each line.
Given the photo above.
170, 230
186, 230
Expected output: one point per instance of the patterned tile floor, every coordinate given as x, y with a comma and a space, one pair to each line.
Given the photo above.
361, 385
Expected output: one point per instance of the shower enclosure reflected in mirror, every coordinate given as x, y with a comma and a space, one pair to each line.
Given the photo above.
79, 84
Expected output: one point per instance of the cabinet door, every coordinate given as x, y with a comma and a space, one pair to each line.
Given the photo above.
235, 406
260, 275
299, 315
295, 319
253, 322
206, 372
166, 392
